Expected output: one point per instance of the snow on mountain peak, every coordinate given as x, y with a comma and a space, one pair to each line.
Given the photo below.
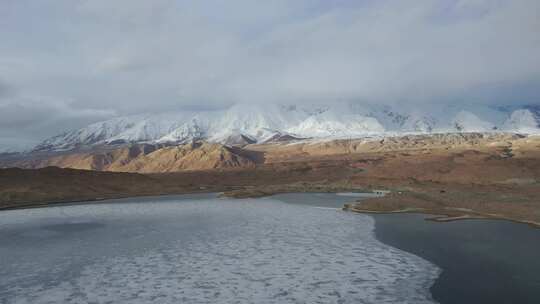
409, 122
248, 123
522, 121
193, 129
328, 124
465, 121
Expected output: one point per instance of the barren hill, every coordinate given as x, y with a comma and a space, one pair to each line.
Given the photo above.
146, 158
196, 156
460, 157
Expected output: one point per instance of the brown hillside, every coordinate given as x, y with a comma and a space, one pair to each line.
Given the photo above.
150, 158
196, 156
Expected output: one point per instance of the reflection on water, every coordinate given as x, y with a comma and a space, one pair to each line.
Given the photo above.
201, 249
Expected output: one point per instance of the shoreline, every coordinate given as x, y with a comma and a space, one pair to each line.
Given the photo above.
433, 215
439, 217
55, 203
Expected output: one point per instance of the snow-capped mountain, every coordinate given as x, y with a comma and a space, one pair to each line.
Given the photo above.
465, 120
122, 129
398, 121
245, 124
193, 129
330, 124
523, 121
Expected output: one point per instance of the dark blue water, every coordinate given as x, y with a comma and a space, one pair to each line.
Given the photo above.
483, 261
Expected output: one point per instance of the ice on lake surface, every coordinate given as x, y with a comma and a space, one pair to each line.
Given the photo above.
202, 249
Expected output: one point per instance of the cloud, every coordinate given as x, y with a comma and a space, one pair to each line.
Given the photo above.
31, 118
5, 90
131, 56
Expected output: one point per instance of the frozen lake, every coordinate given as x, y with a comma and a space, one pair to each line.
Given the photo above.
293, 248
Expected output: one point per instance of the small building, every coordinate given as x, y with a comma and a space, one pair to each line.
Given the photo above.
381, 192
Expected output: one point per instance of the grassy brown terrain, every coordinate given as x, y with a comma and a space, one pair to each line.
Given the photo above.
35, 187
457, 175
45, 186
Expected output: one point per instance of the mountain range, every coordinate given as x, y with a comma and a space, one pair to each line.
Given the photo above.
243, 124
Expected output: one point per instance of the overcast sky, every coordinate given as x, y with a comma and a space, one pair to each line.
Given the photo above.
65, 63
